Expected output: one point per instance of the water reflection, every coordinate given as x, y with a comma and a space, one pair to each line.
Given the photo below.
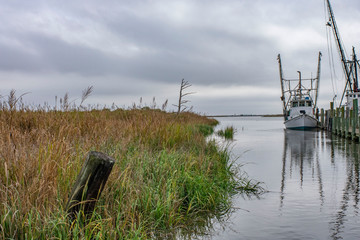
301, 152
304, 156
350, 193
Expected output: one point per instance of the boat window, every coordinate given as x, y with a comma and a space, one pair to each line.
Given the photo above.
301, 103
308, 103
295, 104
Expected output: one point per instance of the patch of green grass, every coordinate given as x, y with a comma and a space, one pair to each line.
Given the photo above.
227, 133
206, 130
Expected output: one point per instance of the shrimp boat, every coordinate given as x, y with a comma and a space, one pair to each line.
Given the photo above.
299, 97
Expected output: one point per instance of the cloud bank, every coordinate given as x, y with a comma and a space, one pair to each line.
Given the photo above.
130, 49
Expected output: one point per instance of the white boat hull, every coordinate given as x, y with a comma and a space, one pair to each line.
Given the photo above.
301, 122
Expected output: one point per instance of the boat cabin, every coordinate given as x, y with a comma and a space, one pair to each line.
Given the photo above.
350, 96
301, 106
301, 103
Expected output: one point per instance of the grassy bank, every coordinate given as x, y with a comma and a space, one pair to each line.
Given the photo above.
166, 173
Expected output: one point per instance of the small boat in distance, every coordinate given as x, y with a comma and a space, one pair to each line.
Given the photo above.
299, 101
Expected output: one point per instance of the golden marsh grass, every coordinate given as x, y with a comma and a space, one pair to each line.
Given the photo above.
165, 172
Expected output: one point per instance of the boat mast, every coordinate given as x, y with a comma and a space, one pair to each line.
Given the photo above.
351, 80
355, 65
299, 83
282, 88
317, 79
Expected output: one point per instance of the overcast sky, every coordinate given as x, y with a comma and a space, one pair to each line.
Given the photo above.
127, 49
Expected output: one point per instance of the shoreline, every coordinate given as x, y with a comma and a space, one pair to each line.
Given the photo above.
245, 115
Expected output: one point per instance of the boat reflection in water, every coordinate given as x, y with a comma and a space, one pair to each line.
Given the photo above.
300, 151
315, 160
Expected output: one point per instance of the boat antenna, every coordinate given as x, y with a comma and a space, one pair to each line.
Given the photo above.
299, 83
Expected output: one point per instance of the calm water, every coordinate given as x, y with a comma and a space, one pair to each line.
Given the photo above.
312, 179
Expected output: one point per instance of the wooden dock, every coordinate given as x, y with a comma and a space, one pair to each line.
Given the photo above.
342, 121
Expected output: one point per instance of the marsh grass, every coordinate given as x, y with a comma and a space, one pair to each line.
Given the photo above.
165, 177
227, 133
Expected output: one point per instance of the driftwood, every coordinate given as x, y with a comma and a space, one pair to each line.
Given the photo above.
89, 184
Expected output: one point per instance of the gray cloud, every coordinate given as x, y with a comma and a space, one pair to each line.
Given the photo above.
129, 49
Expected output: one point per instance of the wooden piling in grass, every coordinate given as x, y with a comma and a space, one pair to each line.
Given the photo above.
89, 184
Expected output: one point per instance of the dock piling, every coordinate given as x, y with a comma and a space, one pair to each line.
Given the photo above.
344, 122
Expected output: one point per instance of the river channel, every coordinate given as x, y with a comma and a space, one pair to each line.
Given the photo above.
312, 179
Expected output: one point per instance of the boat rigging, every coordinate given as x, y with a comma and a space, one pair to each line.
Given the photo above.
350, 67
300, 101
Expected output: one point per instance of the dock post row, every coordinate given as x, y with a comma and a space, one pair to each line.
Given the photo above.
342, 121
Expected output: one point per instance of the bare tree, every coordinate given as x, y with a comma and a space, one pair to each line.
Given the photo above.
181, 105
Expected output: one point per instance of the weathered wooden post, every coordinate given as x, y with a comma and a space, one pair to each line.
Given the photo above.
328, 123
89, 184
331, 118
339, 122
342, 131
336, 121
322, 119
333, 126
317, 114
349, 113
355, 119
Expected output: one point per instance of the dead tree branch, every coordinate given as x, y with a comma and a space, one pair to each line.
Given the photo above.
181, 104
